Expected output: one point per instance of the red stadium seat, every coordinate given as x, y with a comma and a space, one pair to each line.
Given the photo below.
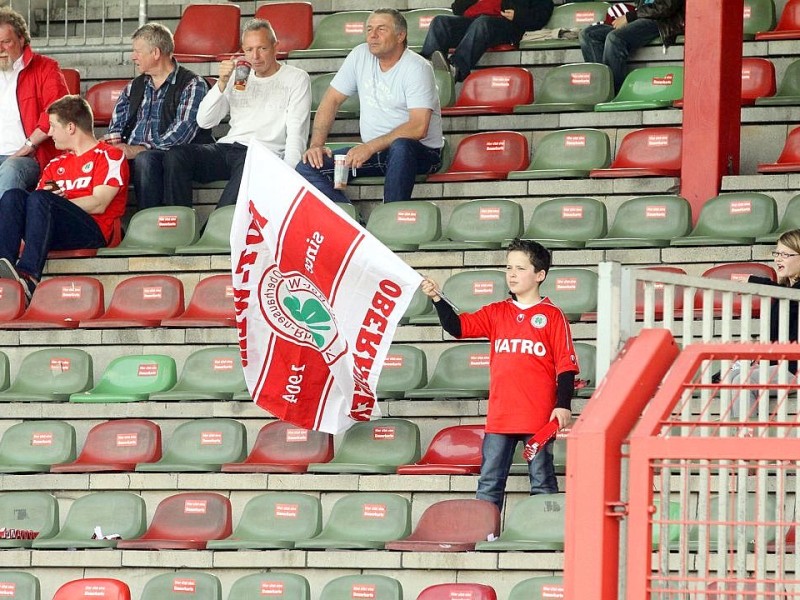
101, 588
736, 271
486, 156
73, 79
141, 301
496, 90
116, 446
12, 300
292, 22
452, 591
649, 152
61, 303
758, 80
788, 27
211, 305
659, 294
454, 450
116, 238
185, 522
207, 31
102, 97
789, 160
284, 448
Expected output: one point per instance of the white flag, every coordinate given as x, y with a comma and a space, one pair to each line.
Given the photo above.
317, 299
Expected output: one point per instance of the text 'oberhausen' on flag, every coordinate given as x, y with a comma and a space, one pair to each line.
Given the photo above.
317, 299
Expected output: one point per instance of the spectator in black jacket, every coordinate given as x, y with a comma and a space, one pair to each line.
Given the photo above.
476, 26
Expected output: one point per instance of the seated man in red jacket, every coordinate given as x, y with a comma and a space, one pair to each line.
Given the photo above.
78, 198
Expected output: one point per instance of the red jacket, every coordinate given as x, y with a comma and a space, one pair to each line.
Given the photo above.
40, 83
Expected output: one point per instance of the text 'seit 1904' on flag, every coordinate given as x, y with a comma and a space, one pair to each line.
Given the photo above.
317, 299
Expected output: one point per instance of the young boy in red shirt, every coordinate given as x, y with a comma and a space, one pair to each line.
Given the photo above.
532, 368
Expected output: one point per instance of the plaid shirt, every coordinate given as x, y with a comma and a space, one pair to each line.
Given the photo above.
146, 131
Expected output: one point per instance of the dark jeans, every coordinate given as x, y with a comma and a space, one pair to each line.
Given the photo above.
400, 164
470, 38
603, 44
203, 163
147, 174
46, 222
497, 454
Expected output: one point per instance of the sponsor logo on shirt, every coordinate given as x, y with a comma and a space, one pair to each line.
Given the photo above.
519, 346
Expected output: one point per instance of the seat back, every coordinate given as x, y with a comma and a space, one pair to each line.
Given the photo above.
484, 221
572, 218
126, 441
193, 40
538, 518
448, 591
418, 22
379, 587
538, 587
455, 445
216, 236
758, 79
368, 516
577, 15
791, 216
68, 298
404, 225
12, 300
662, 84
491, 151
103, 588
587, 361
206, 441
386, 441
464, 366
737, 214
280, 442
658, 290
4, 371
577, 83
790, 82
123, 513
157, 230
146, 297
138, 373
72, 77
405, 368
737, 271
290, 516
497, 87
470, 290
191, 516
102, 97
33, 511
292, 22
35, 445
652, 217
216, 369
791, 148
281, 585
320, 85
343, 30
211, 299
446, 88
420, 305
52, 372
20, 585
180, 585
790, 17
574, 291
464, 521
650, 148
581, 149
759, 15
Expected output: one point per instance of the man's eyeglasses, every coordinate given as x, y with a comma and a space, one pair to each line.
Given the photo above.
783, 255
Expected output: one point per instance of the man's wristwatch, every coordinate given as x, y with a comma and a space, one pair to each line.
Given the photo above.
30, 144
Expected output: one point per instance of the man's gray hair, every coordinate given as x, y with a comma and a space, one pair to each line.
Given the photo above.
10, 17
257, 24
400, 25
156, 35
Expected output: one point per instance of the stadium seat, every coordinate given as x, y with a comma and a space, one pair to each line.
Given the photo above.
61, 303
446, 87
469, 291
34, 446
284, 448
658, 300
12, 300
454, 450
405, 368
185, 522
195, 43
94, 521
649, 152
349, 109
116, 238
335, 35
462, 371
451, 526
735, 271
574, 291
50, 375
141, 301
788, 27
131, 378
714, 524
789, 159
420, 308
157, 230
102, 97
273, 521
211, 305
534, 523
208, 374
23, 585
486, 156
292, 22
723, 590
379, 587
418, 22
449, 591
272, 583
731, 219
103, 588
759, 16
403, 226
492, 91
479, 225
575, 87
216, 236
374, 447
117, 445
647, 222
567, 222
362, 521
183, 585
587, 359
538, 587
646, 88
28, 512
790, 220
72, 77
201, 445
4, 372
566, 154
758, 79
788, 92
574, 15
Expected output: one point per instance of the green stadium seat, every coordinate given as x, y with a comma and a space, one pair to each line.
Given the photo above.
420, 308
462, 371
714, 525
34, 446
50, 375
374, 447
336, 34
574, 291
448, 591
284, 448
29, 512
379, 587
495, 90
479, 225
576, 87
469, 291
574, 15
61, 303
12, 301
362, 521
157, 230
141, 301
446, 87
788, 92
454, 450
349, 109
647, 222
113, 513
211, 305
403, 226
4, 372
789, 159
208, 374
201, 445
535, 523
405, 368
731, 219
104, 588
648, 152
273, 521
280, 585
183, 585
790, 220
216, 236
293, 24
131, 378
485, 156
193, 44
567, 222
117, 445
672, 532
538, 587
587, 360
567, 154
418, 21
647, 88
451, 526
759, 16
185, 521
23, 585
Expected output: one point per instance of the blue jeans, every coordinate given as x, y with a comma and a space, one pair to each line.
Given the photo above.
147, 174
204, 163
497, 454
46, 222
18, 172
604, 44
400, 164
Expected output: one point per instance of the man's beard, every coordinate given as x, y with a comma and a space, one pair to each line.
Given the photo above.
5, 63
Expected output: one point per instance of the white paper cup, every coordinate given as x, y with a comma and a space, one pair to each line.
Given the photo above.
339, 172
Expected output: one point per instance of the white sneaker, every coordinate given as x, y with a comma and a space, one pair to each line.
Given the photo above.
7, 271
440, 63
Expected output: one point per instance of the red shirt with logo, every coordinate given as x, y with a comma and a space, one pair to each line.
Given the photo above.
79, 175
529, 348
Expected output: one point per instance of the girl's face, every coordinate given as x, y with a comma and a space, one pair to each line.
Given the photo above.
787, 263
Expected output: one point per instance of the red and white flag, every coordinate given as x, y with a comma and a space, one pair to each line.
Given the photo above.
317, 299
